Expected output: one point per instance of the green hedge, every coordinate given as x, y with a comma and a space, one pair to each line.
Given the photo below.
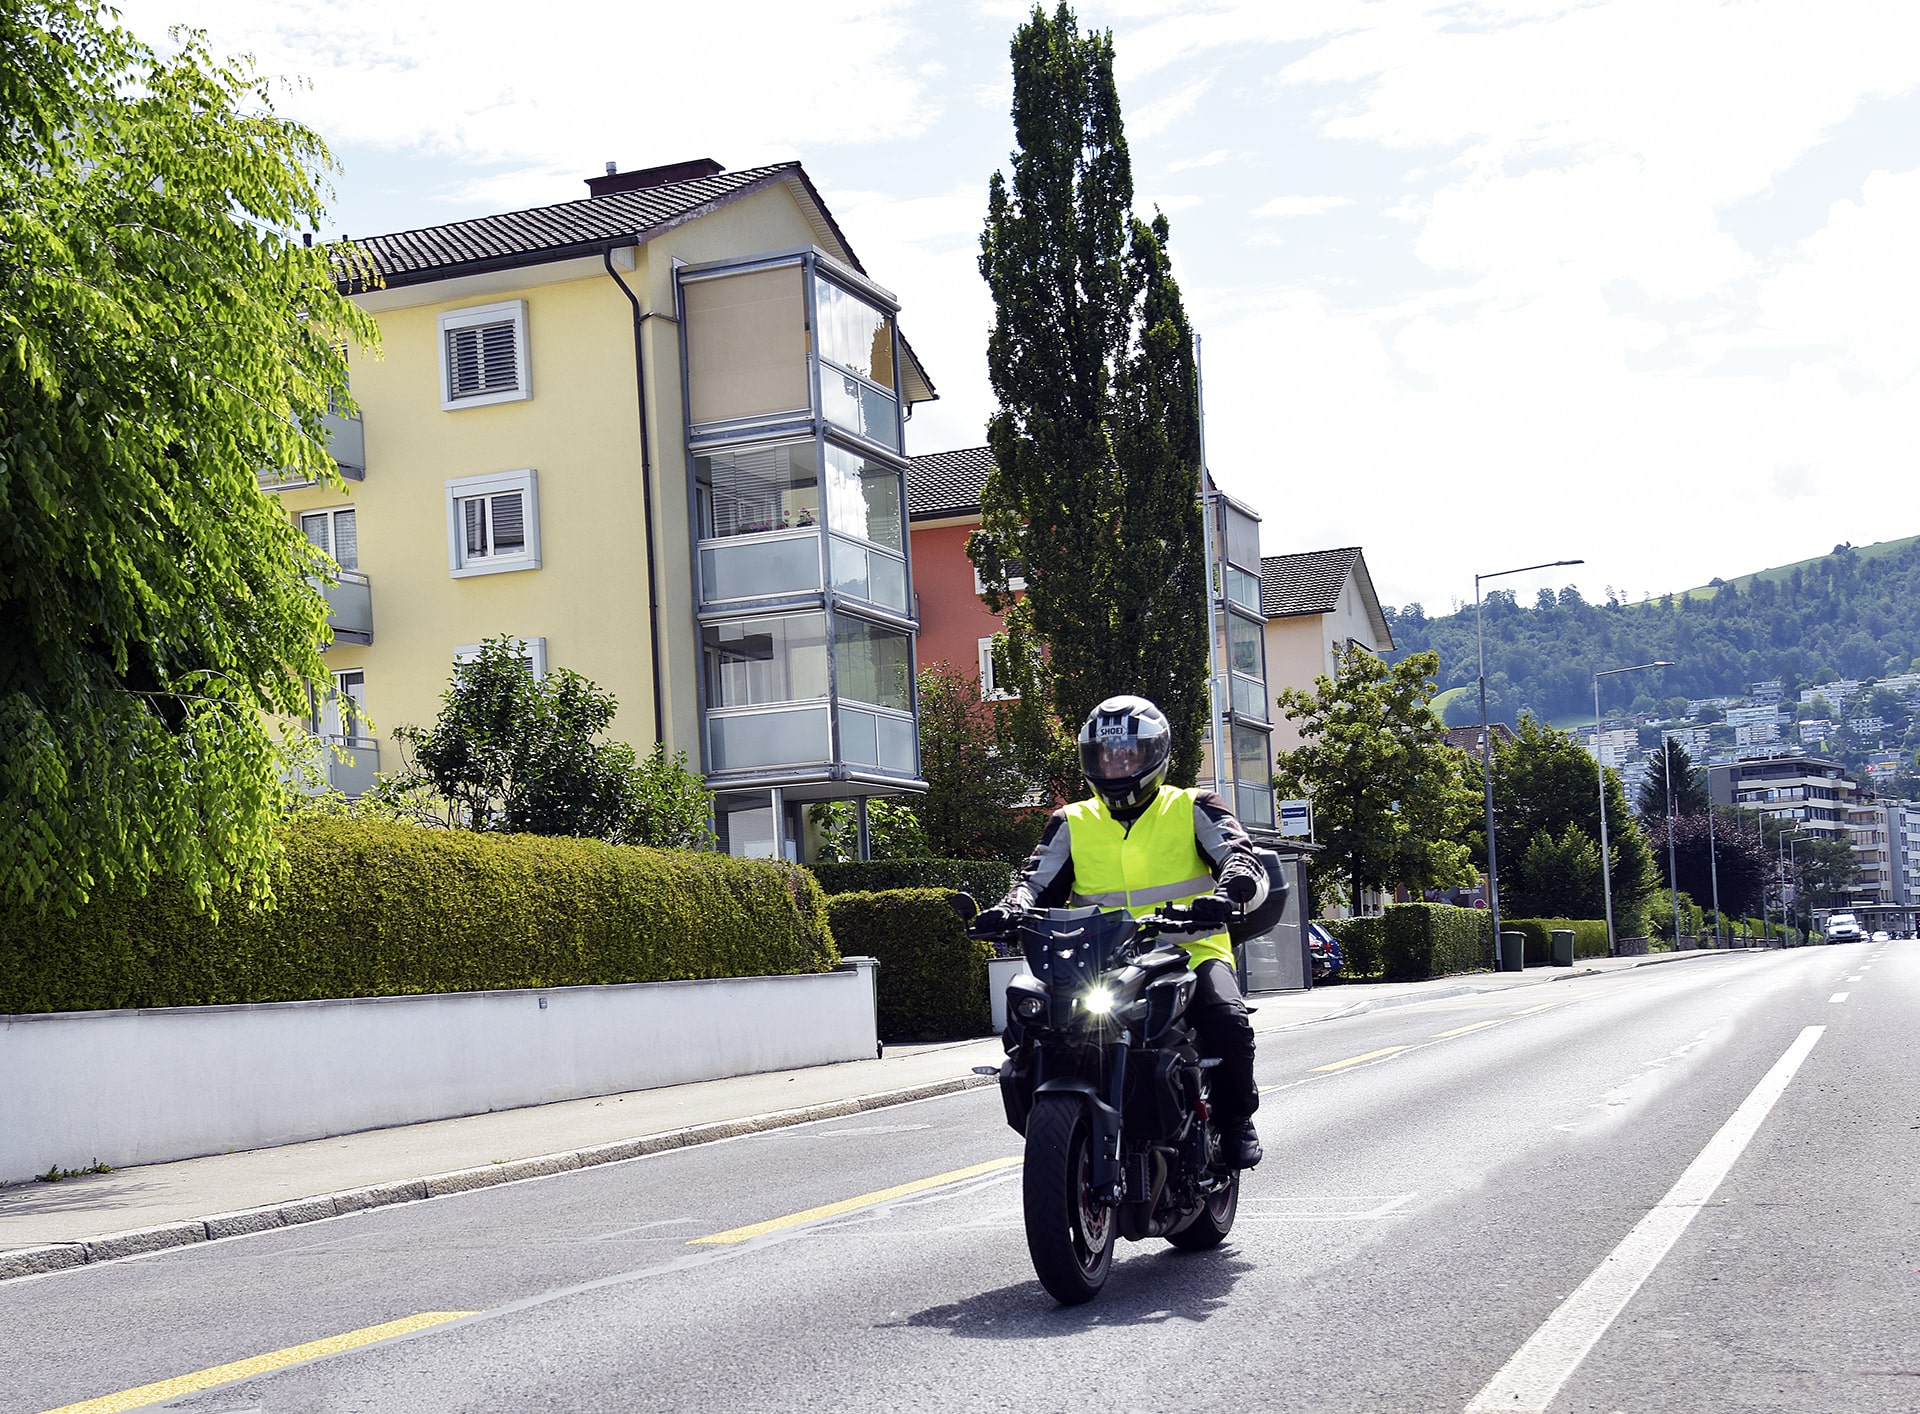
380, 908
1589, 937
986, 880
1359, 940
933, 977
1408, 942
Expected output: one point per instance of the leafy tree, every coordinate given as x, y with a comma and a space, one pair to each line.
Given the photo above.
975, 806
1096, 437
164, 336
1743, 863
515, 753
1824, 873
1544, 780
893, 831
1659, 915
1558, 877
1391, 800
1689, 785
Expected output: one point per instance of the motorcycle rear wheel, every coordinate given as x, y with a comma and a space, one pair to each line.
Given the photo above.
1070, 1235
1214, 1222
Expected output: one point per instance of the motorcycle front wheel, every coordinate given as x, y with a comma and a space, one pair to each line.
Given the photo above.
1070, 1234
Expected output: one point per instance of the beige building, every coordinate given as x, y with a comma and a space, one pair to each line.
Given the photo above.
1316, 604
655, 436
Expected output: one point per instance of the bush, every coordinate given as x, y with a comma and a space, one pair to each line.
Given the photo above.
382, 908
933, 977
1359, 940
986, 880
1589, 937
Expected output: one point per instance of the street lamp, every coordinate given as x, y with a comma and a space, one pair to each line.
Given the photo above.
1606, 860
1673, 884
1486, 746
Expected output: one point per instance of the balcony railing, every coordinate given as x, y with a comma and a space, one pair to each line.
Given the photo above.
350, 607
353, 764
346, 439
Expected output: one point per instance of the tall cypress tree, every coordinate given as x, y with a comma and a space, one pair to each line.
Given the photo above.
1096, 439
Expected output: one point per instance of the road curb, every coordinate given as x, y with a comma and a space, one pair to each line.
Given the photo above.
64, 1256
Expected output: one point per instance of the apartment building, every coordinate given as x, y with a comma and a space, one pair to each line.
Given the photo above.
654, 436
1805, 791
1870, 830
1903, 835
1317, 603
1614, 747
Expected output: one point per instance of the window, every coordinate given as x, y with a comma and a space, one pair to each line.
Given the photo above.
340, 713
1016, 577
753, 662
989, 690
533, 652
746, 340
483, 355
335, 531
855, 344
493, 524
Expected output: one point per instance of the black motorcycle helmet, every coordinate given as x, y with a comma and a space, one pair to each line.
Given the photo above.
1125, 747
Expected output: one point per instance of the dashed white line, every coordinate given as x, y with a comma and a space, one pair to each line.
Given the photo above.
1527, 1383
1839, 997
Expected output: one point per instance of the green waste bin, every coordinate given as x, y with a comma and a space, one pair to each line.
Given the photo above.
1562, 947
1513, 951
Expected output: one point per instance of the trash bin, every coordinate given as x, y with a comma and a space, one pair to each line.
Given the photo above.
1563, 947
1513, 951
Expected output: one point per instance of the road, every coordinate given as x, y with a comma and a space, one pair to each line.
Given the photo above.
1737, 1133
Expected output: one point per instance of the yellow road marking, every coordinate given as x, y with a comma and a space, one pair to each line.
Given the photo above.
1536, 1010
258, 1365
1360, 1060
1463, 1030
848, 1205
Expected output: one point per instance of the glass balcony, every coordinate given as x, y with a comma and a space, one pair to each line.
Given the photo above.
350, 607
346, 439
353, 764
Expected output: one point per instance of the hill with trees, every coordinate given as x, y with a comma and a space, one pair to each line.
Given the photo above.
1853, 613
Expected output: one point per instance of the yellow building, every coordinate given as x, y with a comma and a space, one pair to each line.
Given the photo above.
1316, 604
656, 435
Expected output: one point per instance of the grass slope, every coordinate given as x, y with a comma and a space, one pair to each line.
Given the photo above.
1780, 573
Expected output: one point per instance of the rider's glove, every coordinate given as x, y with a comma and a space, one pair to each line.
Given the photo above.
1212, 908
995, 922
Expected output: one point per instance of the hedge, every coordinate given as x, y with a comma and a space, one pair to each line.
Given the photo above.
986, 880
380, 908
1408, 942
933, 977
1589, 937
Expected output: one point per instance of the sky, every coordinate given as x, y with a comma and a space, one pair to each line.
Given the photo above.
1479, 283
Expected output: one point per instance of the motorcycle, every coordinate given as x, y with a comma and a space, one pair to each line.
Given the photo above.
1103, 1080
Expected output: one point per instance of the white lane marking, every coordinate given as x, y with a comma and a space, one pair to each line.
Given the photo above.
1527, 1383
1838, 997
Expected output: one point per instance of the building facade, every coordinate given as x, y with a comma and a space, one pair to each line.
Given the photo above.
1317, 604
652, 436
1806, 792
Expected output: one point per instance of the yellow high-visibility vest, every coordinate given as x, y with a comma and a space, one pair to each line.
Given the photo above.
1154, 863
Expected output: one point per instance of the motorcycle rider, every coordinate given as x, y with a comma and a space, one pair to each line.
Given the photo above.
1139, 843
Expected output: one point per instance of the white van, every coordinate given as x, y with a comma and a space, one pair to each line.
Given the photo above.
1843, 928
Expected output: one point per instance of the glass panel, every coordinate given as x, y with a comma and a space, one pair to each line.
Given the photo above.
896, 744
1243, 588
889, 582
763, 739
746, 824
754, 661
747, 490
853, 333
870, 739
1243, 646
755, 569
858, 407
1243, 539
1254, 806
1250, 698
863, 498
871, 575
509, 524
1250, 756
746, 341
873, 664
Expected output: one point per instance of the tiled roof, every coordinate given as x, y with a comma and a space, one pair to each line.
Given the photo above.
1467, 739
574, 227
947, 483
1304, 584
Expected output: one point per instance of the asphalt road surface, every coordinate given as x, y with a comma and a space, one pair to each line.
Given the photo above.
1686, 1187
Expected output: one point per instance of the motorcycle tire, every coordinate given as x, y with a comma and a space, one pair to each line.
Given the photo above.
1214, 1221
1070, 1235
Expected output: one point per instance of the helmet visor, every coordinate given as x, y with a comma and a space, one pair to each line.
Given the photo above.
1114, 760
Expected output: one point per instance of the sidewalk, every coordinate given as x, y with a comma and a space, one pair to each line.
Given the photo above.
98, 1217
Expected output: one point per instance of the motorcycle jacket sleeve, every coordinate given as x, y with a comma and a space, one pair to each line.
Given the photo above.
1046, 879
1223, 842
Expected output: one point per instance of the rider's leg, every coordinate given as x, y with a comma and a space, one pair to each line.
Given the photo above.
1224, 1031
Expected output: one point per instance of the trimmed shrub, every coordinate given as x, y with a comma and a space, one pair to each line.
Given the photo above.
933, 977
1409, 942
1589, 937
1359, 940
986, 880
382, 908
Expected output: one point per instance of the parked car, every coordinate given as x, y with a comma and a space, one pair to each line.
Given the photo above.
1324, 949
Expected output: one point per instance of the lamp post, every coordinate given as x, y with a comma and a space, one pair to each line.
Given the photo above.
1713, 856
1673, 884
1606, 859
1486, 744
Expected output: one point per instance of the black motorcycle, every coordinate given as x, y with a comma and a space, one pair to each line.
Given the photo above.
1103, 1080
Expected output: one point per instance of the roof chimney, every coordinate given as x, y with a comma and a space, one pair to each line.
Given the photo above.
612, 166
616, 181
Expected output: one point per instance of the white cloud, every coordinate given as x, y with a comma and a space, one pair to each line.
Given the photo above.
1289, 206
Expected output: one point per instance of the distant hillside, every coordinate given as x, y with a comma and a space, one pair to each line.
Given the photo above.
1854, 613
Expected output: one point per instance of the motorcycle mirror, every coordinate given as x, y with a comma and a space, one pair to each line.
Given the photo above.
964, 905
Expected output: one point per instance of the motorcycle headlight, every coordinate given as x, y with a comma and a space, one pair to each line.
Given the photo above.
1098, 1002
1030, 1008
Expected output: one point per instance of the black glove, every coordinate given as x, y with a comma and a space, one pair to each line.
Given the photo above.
995, 922
1212, 908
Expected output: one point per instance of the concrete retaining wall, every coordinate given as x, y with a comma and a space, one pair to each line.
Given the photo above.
149, 1086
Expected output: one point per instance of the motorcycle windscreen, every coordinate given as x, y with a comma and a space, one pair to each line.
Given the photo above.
1069, 948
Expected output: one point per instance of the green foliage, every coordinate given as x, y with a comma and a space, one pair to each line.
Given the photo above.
380, 908
515, 753
933, 977
1659, 915
1824, 872
165, 335
976, 780
1850, 612
893, 831
1589, 936
1421, 940
985, 879
1543, 782
1558, 875
1391, 799
1096, 436
1689, 783
1732, 850
1360, 944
